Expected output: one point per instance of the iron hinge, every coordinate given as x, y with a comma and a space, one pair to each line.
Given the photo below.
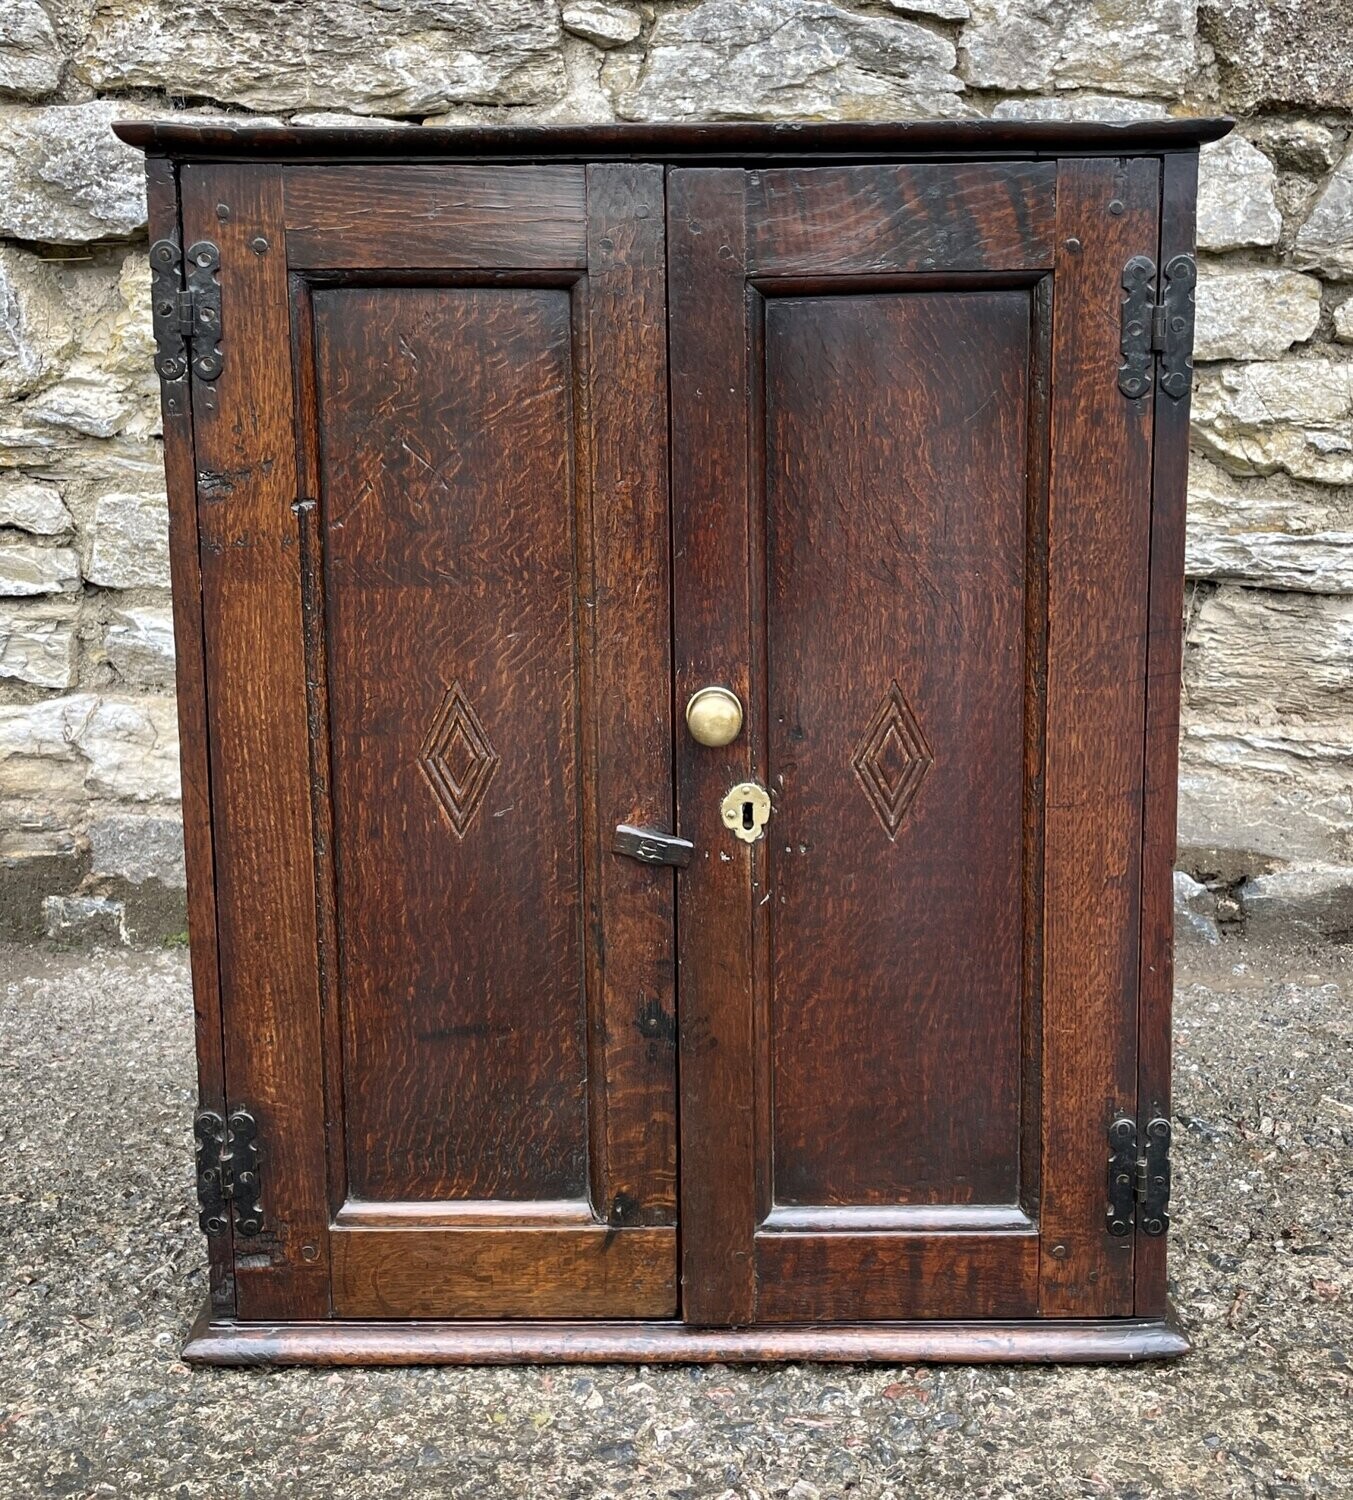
186, 310
1139, 1178
1157, 335
228, 1171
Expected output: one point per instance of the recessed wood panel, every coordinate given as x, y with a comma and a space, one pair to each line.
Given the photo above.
895, 519
446, 465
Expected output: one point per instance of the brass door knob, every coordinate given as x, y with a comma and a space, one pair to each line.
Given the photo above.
714, 716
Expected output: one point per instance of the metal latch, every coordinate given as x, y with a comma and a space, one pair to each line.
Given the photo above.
652, 848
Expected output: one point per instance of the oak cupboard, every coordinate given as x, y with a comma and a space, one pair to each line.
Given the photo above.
678, 637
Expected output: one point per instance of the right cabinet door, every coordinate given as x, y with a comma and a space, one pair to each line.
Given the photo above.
911, 518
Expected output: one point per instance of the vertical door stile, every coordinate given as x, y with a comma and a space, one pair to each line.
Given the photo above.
710, 381
191, 696
630, 707
1099, 522
1179, 183
251, 592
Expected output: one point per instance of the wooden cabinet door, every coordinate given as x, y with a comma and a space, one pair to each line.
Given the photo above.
911, 514
432, 501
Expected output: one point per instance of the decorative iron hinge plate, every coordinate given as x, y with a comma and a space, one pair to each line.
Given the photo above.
227, 1171
1157, 336
1139, 1180
186, 310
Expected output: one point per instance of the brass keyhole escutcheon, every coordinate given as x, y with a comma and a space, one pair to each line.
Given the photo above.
746, 811
714, 716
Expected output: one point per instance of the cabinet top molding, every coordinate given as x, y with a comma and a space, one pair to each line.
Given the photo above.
705, 142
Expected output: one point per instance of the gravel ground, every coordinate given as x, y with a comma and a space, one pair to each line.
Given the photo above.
101, 1272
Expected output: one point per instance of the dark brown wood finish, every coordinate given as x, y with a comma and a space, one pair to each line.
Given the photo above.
879, 585
711, 598
429, 1343
746, 142
860, 221
162, 209
1179, 185
362, 218
434, 646
490, 486
260, 765
631, 672
1099, 511
895, 505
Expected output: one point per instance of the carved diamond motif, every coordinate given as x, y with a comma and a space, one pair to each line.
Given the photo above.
457, 759
892, 759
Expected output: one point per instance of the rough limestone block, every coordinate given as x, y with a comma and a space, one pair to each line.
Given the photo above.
1253, 314
40, 766
131, 749
37, 644
1266, 794
65, 178
1312, 902
139, 644
84, 919
1281, 52
1343, 322
36, 337
1195, 910
137, 847
1267, 659
1143, 48
602, 24
30, 55
1260, 531
63, 749
108, 386
27, 569
1081, 108
128, 546
367, 56
1325, 240
1294, 415
790, 59
33, 505
1237, 196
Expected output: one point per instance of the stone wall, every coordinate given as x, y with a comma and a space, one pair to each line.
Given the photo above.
88, 775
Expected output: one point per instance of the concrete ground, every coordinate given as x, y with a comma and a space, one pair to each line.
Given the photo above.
101, 1272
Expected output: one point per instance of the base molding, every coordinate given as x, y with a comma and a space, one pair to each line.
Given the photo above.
217, 1341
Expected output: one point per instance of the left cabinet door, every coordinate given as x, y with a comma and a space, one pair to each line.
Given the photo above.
431, 491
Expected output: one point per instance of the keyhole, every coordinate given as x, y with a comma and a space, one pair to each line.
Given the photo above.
747, 820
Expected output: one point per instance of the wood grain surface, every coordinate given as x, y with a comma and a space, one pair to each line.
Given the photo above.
260, 744
436, 217
989, 1341
711, 525
895, 510
1169, 486
1099, 512
571, 1271
965, 216
437, 621
854, 461
190, 679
